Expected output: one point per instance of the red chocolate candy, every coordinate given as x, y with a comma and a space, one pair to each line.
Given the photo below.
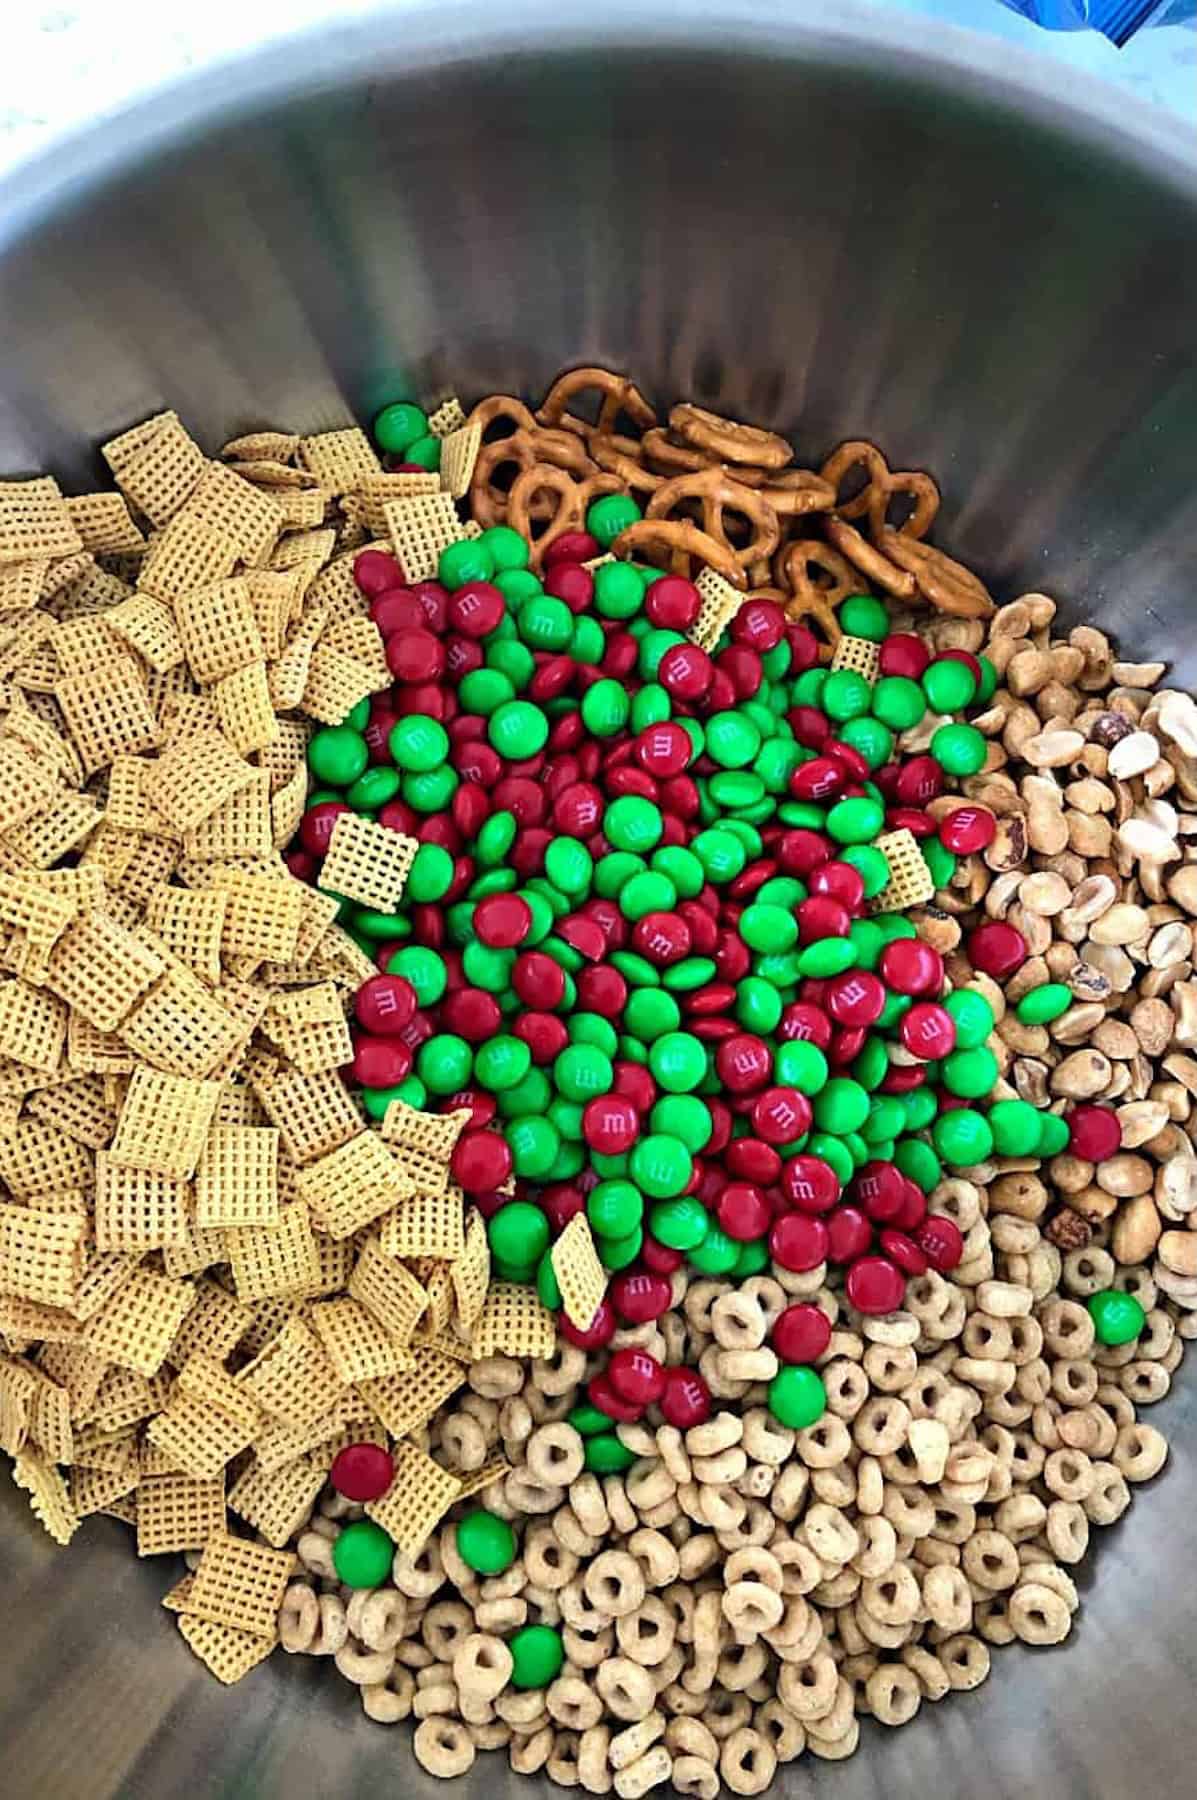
362, 1471
798, 1242
801, 1333
686, 1400
996, 949
874, 1286
636, 1376
1094, 1133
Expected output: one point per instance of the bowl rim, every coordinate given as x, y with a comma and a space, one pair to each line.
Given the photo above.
423, 35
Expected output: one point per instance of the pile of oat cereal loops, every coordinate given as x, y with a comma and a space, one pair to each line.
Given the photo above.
595, 1058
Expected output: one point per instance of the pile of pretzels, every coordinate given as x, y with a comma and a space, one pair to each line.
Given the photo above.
719, 494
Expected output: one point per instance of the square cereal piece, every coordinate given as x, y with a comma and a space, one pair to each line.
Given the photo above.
277, 1502
448, 417
314, 1113
339, 459
197, 1437
203, 1378
136, 1328
408, 1400
274, 1261
470, 1272
218, 629
354, 1342
335, 683
367, 862
418, 1498
66, 826
292, 1379
25, 788
48, 1497
420, 527
262, 917
241, 1585
335, 1258
74, 1368
351, 1186
310, 1028
494, 1469
307, 549
108, 712
101, 970
77, 1109
433, 1134
860, 655
228, 1654
21, 584
238, 1105
181, 1028
34, 521
105, 1273
177, 1513
190, 924
303, 508
93, 1490
376, 490
84, 643
244, 709
127, 807
287, 808
419, 1173
286, 756
513, 1322
214, 1327
720, 604
186, 555
278, 1445
35, 1159
105, 524
161, 474
163, 1123
580, 1275
227, 502
459, 453
236, 1182
199, 1250
32, 1026
389, 1290
119, 451
92, 1052
910, 879
276, 597
288, 673
50, 1428
150, 861
426, 1225
175, 1598
361, 639
124, 1398
41, 1254
137, 1209
252, 446
148, 626
241, 826
191, 779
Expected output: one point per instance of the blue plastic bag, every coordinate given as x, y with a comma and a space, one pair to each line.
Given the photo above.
1117, 20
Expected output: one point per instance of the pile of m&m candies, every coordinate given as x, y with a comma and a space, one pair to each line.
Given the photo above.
636, 943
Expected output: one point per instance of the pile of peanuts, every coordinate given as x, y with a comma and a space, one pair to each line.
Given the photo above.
746, 1592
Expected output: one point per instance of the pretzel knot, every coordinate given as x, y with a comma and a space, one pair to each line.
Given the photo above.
861, 554
502, 409
880, 486
619, 396
621, 456
817, 579
662, 451
490, 498
573, 498
677, 544
796, 491
716, 494
730, 441
940, 579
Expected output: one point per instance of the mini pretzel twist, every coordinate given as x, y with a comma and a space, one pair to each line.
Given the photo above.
810, 598
796, 491
620, 395
622, 456
676, 544
663, 451
940, 579
489, 501
573, 498
870, 561
505, 409
880, 486
730, 441
716, 493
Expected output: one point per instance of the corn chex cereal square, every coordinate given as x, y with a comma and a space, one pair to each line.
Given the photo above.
32, 1026
386, 1288
367, 862
250, 518
276, 1502
513, 1322
34, 521
102, 970
405, 1401
274, 1261
314, 1113
138, 1325
177, 1512
107, 712
432, 1134
580, 1275
214, 1327
163, 1122
720, 604
48, 1496
105, 524
240, 827
335, 682
36, 1159
431, 1224
470, 1271
181, 1027
339, 459
41, 1254
190, 923
193, 777
198, 1437
419, 1496
244, 708
351, 1186
219, 629
138, 1209
420, 527
228, 1654
236, 1182
262, 918
910, 880
292, 1379
241, 1585
354, 1341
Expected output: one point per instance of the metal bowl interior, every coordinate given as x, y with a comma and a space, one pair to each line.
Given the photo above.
854, 230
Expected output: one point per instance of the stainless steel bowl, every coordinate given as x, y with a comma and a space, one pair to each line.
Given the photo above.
839, 227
